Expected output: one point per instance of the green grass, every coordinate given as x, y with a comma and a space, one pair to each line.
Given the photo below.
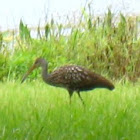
35, 110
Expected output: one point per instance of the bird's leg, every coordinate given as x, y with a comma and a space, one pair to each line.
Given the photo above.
70, 94
78, 92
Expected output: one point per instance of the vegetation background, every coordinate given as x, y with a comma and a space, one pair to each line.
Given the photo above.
108, 45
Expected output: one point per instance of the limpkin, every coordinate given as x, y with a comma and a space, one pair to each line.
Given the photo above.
71, 77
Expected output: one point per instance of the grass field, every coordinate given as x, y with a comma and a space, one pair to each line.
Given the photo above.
32, 111
108, 45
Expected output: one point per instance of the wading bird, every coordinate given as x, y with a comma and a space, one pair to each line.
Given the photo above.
71, 77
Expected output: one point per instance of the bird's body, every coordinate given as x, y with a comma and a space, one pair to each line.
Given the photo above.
76, 78
71, 77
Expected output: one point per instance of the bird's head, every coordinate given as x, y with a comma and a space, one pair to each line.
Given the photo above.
39, 62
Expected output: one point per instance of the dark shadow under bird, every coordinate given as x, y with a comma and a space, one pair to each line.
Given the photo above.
71, 77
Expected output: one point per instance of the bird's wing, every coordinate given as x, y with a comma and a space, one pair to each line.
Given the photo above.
77, 78
73, 76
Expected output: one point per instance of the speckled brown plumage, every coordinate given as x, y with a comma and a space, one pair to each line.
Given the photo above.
71, 77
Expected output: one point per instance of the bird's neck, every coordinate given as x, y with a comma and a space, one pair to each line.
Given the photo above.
45, 74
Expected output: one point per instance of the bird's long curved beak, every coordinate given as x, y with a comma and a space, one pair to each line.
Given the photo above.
28, 72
